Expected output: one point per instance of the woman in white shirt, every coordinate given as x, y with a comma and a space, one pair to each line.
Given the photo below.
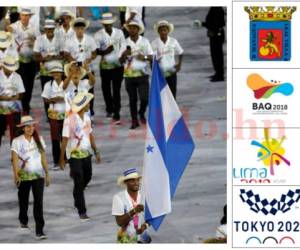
78, 143
166, 49
30, 171
53, 95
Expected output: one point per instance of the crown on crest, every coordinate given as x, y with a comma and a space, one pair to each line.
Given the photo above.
270, 13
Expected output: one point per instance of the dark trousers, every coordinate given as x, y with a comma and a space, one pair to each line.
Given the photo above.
216, 51
27, 72
44, 80
111, 85
81, 173
92, 102
122, 17
11, 120
172, 82
56, 127
137, 87
37, 187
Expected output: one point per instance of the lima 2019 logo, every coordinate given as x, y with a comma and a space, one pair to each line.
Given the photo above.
264, 90
272, 155
271, 151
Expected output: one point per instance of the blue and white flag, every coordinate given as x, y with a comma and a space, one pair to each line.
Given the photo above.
168, 148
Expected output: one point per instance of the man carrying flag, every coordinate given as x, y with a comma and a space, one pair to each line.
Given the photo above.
168, 148
128, 210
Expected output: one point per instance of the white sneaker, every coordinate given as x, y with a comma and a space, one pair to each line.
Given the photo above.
84, 217
116, 122
24, 228
41, 236
56, 167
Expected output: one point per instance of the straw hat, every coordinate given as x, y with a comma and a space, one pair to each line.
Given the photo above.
127, 175
164, 23
5, 39
25, 11
49, 24
68, 66
26, 120
108, 18
67, 13
10, 63
135, 23
85, 22
56, 67
80, 101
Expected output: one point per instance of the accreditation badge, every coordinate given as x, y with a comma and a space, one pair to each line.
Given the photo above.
270, 33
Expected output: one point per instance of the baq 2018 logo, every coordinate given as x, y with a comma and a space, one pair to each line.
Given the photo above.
265, 92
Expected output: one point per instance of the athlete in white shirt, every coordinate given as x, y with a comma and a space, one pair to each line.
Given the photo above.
78, 143
135, 53
48, 49
30, 170
53, 94
65, 31
166, 49
11, 91
128, 210
7, 46
74, 82
25, 35
82, 48
109, 41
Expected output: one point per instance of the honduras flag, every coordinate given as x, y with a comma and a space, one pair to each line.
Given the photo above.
168, 148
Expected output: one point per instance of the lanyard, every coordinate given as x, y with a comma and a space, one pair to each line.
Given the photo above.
135, 217
79, 140
24, 162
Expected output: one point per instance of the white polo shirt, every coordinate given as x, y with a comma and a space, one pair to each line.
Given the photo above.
10, 86
166, 53
63, 34
30, 160
134, 67
22, 37
81, 50
53, 89
46, 47
78, 133
122, 204
103, 41
72, 90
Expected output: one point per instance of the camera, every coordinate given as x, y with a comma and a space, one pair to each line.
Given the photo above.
78, 64
60, 21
